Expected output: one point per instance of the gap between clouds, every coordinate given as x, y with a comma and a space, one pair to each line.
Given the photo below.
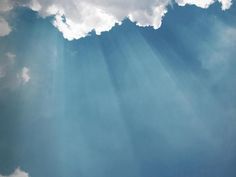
77, 18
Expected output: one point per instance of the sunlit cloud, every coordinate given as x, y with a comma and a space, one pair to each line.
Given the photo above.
77, 18
225, 4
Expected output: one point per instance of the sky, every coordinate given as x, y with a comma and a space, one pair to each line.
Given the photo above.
115, 88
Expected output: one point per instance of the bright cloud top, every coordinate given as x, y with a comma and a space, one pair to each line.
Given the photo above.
17, 173
225, 4
77, 18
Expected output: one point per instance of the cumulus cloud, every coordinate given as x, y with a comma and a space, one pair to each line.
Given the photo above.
17, 173
24, 75
77, 18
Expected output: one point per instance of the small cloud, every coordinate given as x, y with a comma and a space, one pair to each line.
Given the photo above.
17, 173
24, 76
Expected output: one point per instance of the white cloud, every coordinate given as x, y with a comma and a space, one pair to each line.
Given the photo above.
5, 29
24, 76
198, 3
225, 4
77, 18
17, 173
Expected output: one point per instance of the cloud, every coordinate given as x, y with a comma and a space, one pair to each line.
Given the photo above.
5, 5
77, 18
225, 4
24, 76
5, 29
17, 173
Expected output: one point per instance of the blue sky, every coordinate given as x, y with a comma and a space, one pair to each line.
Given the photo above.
131, 102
